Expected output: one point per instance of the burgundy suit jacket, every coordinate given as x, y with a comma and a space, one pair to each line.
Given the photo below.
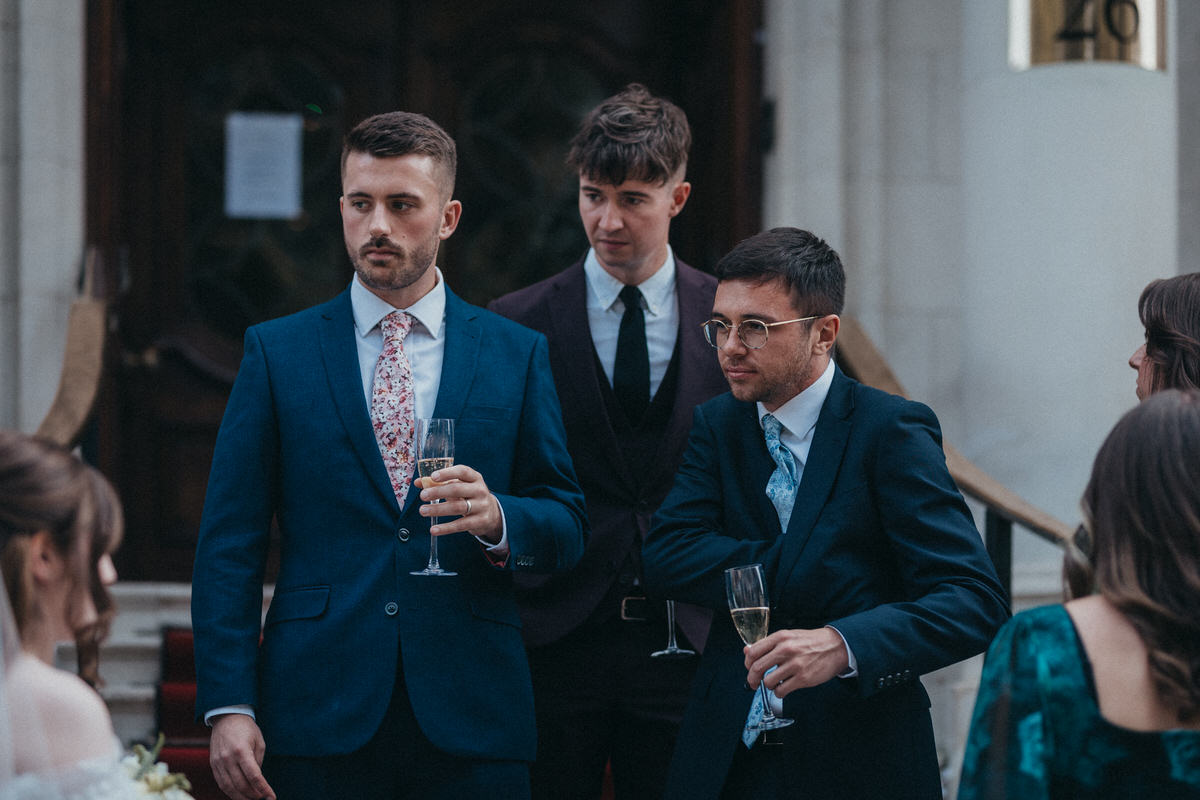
620, 501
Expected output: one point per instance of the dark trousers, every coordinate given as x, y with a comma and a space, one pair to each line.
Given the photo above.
601, 698
814, 761
398, 762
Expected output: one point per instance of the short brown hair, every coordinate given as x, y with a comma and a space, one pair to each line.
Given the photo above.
1142, 538
632, 135
402, 133
809, 268
1170, 312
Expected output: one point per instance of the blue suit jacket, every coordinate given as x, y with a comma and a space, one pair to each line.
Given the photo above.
297, 444
880, 545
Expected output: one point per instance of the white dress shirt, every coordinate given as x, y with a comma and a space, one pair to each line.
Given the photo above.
424, 346
605, 309
798, 417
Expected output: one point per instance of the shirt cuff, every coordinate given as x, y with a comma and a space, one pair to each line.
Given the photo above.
497, 553
241, 708
852, 669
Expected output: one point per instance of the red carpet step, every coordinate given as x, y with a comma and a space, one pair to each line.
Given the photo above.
186, 747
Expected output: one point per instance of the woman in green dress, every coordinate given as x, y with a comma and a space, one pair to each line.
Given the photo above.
1100, 698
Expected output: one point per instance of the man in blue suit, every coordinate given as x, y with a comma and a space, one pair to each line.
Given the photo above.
372, 682
875, 571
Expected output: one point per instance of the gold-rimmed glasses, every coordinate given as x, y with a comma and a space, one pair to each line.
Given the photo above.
751, 332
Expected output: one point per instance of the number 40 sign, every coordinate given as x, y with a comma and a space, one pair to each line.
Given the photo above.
1056, 31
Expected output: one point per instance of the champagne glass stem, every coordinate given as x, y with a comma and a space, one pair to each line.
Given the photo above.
671, 644
768, 716
433, 564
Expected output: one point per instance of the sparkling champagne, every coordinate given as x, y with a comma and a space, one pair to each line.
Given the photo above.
428, 466
751, 623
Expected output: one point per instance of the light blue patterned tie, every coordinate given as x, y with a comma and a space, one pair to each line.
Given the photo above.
781, 488
751, 731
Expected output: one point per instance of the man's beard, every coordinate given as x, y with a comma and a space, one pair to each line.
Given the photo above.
408, 266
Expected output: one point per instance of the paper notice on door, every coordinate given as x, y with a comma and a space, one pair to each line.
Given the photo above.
263, 165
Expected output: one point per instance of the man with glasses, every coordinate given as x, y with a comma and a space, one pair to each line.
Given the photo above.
875, 572
629, 366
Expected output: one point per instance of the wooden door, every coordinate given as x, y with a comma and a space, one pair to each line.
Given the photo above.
509, 80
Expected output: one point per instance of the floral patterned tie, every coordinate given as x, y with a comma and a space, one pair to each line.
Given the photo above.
392, 403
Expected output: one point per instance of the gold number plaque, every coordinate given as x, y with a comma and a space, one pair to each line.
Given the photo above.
1057, 31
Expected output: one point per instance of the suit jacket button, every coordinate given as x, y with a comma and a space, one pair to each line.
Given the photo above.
402, 534
390, 609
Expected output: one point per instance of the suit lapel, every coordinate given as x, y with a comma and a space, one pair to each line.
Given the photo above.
754, 468
695, 354
460, 358
824, 459
339, 353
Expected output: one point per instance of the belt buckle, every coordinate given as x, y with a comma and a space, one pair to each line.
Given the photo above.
633, 608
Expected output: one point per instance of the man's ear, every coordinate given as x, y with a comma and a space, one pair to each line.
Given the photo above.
45, 563
679, 196
827, 328
451, 213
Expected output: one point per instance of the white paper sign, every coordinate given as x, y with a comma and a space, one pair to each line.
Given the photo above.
263, 165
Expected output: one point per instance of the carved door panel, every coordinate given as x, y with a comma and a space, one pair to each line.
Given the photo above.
508, 80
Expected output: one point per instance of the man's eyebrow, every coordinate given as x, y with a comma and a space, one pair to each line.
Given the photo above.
395, 196
748, 315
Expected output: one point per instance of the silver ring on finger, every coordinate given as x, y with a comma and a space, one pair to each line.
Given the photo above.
468, 507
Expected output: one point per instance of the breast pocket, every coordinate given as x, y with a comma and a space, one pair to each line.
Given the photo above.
485, 439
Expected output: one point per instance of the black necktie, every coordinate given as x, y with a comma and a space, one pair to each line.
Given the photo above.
631, 373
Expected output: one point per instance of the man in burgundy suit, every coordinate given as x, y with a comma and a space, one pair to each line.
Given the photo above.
630, 364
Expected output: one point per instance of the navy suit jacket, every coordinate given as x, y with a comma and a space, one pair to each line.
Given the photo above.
880, 545
296, 444
620, 499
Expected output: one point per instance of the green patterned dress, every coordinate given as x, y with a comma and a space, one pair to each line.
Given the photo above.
1037, 733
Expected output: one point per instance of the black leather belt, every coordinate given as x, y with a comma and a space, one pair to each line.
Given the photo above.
636, 608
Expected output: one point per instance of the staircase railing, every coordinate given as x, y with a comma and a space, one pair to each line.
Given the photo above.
858, 357
82, 365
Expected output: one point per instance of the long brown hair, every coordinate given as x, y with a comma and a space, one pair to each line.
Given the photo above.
45, 488
1170, 312
1142, 512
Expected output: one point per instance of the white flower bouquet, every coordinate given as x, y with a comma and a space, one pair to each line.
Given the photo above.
152, 776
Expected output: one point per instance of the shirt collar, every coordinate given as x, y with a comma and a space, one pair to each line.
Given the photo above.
657, 289
799, 415
369, 308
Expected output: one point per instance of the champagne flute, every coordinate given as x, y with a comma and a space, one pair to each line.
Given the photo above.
746, 592
435, 450
672, 650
